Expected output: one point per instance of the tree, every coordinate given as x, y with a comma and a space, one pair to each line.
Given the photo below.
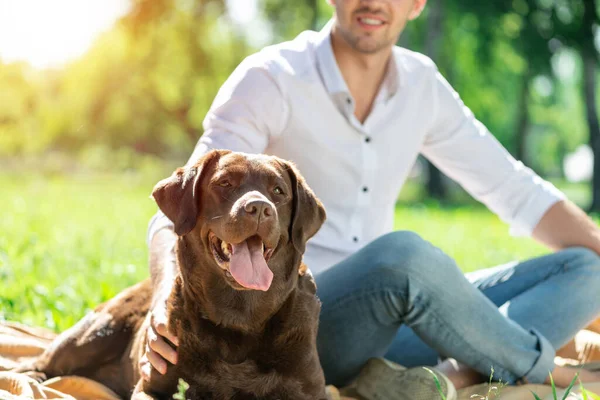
575, 24
435, 27
288, 19
154, 77
590, 67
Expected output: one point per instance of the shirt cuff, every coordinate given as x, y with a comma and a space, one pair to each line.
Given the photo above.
532, 212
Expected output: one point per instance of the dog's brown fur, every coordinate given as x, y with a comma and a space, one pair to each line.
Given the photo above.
233, 343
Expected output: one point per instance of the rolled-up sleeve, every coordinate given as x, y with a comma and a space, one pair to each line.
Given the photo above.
247, 112
463, 148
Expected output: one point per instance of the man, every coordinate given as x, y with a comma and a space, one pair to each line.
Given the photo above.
353, 111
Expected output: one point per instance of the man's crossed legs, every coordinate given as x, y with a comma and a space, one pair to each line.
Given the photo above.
511, 318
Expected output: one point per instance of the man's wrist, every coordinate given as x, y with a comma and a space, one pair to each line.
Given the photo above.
161, 296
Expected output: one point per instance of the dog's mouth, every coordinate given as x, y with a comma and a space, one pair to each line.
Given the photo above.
245, 262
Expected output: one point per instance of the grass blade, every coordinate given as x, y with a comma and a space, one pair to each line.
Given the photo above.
571, 386
590, 395
553, 387
536, 396
437, 382
182, 387
583, 391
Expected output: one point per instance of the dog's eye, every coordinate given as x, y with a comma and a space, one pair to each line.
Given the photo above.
224, 184
278, 190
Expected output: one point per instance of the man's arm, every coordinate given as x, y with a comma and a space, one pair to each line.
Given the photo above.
163, 270
566, 225
464, 149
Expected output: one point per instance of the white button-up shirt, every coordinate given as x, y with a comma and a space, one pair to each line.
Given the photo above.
290, 100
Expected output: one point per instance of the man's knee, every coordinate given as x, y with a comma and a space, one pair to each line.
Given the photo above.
406, 255
582, 257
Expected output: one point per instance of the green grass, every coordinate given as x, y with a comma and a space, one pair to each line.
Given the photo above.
66, 244
495, 389
69, 243
586, 395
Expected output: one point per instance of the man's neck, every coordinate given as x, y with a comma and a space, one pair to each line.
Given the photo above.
363, 73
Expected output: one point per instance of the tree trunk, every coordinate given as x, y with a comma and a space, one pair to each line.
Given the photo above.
523, 117
435, 184
434, 29
589, 86
590, 63
314, 6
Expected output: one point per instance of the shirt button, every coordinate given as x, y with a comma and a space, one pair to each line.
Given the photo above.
365, 189
367, 139
349, 100
355, 239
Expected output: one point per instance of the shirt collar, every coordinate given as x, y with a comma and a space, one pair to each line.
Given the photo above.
393, 77
332, 76
327, 64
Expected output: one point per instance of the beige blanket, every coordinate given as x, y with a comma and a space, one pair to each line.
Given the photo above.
19, 342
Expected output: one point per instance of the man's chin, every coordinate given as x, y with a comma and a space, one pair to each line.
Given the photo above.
370, 46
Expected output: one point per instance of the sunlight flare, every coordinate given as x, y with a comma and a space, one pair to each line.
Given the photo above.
51, 33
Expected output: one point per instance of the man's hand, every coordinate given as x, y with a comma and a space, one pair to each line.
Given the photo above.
157, 349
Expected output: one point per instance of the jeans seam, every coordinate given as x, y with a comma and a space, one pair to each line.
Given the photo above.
565, 265
343, 301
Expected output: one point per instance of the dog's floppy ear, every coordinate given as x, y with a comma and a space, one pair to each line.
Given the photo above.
178, 196
308, 212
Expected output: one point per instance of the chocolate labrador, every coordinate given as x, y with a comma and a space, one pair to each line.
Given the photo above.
245, 315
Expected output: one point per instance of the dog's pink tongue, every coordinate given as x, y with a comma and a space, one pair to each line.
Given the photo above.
248, 266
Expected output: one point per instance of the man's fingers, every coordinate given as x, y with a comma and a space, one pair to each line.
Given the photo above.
161, 329
156, 361
157, 349
156, 343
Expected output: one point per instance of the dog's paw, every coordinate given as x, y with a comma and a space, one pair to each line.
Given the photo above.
30, 370
37, 376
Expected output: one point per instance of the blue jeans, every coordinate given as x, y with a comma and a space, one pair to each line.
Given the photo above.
401, 298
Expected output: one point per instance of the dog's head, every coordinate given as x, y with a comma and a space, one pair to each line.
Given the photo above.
247, 216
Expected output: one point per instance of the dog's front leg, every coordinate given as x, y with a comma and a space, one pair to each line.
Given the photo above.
93, 340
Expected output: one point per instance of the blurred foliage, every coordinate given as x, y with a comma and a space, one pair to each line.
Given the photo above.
488, 48
141, 92
145, 85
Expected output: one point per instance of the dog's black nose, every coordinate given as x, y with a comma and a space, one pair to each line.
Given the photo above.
259, 208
